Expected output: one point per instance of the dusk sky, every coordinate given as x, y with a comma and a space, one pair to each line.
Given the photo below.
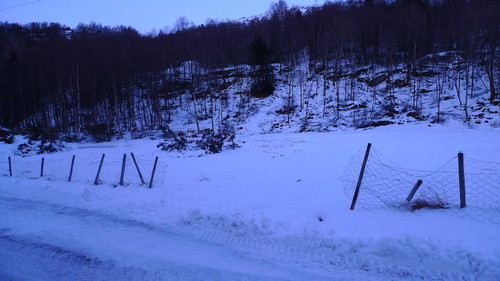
143, 15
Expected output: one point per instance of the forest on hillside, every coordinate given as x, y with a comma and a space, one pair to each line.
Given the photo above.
86, 78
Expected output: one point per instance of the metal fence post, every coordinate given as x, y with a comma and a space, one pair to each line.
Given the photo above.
96, 182
123, 169
360, 178
71, 169
461, 179
153, 173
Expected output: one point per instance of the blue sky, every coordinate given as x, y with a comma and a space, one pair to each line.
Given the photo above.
144, 15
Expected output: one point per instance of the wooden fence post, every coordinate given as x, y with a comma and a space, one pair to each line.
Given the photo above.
123, 169
153, 173
138, 170
461, 179
41, 168
71, 169
96, 182
360, 178
10, 167
414, 190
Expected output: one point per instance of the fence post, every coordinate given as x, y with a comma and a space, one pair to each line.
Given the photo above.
10, 167
414, 190
71, 169
123, 169
153, 173
96, 182
461, 179
360, 178
41, 168
138, 170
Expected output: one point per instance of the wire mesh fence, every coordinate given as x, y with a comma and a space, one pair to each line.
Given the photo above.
85, 169
385, 184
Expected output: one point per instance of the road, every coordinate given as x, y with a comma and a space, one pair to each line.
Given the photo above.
42, 241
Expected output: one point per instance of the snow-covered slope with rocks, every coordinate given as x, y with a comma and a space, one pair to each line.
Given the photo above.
324, 97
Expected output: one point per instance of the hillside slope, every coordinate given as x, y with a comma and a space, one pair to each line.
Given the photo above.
325, 97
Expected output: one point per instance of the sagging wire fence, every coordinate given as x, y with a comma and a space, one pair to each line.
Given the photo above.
124, 170
464, 186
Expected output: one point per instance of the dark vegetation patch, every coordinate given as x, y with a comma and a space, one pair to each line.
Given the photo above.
6, 136
376, 124
436, 203
415, 115
207, 140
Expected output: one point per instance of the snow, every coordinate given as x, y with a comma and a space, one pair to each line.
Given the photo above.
343, 95
273, 209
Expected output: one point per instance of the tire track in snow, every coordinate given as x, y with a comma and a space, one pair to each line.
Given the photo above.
172, 251
62, 264
323, 254
59, 263
327, 253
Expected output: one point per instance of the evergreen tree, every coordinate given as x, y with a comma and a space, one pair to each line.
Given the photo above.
263, 75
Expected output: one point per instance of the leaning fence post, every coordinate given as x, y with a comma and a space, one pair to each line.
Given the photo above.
461, 179
137, 167
41, 168
71, 169
96, 182
153, 173
414, 190
123, 169
10, 167
360, 178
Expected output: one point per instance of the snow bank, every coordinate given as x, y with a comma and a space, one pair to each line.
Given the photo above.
281, 196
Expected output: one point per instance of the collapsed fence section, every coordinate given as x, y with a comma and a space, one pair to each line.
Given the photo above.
123, 170
467, 187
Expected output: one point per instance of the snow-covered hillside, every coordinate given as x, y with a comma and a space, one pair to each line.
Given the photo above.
323, 97
273, 209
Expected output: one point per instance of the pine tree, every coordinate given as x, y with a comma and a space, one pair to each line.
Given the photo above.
263, 75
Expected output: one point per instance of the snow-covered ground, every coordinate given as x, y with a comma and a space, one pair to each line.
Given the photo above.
273, 209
